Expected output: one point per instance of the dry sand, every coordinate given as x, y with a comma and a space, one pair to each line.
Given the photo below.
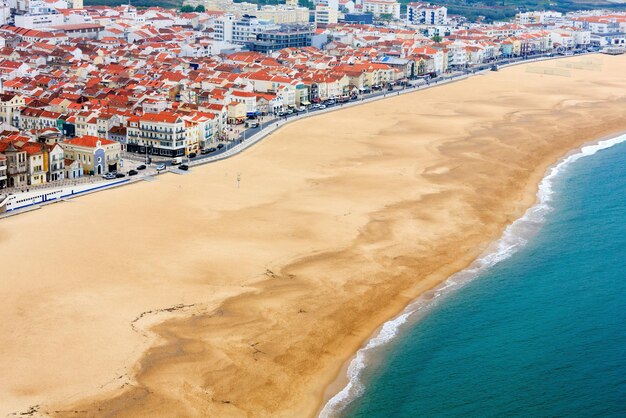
340, 221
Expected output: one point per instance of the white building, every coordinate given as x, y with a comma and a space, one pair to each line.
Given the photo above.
325, 15
537, 17
382, 7
39, 16
5, 13
425, 13
223, 28
281, 14
240, 31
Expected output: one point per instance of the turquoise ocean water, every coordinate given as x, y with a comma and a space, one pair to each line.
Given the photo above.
536, 328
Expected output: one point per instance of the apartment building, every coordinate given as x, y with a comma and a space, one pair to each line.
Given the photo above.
287, 36
56, 162
382, 7
427, 14
10, 105
240, 31
326, 15
157, 134
3, 171
17, 165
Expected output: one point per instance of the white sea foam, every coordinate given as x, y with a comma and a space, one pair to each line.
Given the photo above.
514, 237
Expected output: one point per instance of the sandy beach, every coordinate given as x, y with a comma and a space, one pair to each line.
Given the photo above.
191, 296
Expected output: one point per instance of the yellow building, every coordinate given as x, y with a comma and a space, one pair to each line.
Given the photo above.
10, 104
326, 15
98, 156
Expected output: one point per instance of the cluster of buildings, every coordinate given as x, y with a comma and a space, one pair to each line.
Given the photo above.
79, 91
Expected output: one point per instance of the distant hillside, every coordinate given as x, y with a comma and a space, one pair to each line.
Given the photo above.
506, 9
491, 9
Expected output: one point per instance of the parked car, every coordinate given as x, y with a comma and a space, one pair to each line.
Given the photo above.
192, 155
322, 107
141, 167
119, 175
183, 167
133, 172
252, 124
160, 167
316, 106
208, 150
109, 176
177, 160
220, 146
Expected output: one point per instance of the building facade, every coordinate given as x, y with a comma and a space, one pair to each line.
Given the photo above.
3, 171
157, 134
97, 156
288, 36
382, 7
427, 14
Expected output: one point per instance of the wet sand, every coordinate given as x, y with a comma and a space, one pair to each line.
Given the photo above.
189, 296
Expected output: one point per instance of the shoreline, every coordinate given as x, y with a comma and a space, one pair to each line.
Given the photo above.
337, 394
365, 211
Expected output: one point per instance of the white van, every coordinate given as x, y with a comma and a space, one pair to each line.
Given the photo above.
177, 161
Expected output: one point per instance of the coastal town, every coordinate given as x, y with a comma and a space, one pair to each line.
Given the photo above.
95, 93
312, 208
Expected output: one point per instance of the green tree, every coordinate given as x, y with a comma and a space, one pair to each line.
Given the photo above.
200, 8
386, 17
187, 8
436, 38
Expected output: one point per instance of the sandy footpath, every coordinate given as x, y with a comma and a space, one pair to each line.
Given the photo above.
189, 296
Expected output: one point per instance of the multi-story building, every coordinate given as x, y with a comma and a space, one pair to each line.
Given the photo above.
37, 157
17, 165
537, 17
281, 14
39, 15
325, 14
3, 171
98, 156
246, 28
10, 105
56, 162
287, 36
223, 28
382, 7
425, 13
157, 134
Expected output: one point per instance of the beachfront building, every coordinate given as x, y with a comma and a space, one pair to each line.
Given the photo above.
17, 165
203, 127
379, 8
56, 162
157, 134
73, 168
3, 171
98, 156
